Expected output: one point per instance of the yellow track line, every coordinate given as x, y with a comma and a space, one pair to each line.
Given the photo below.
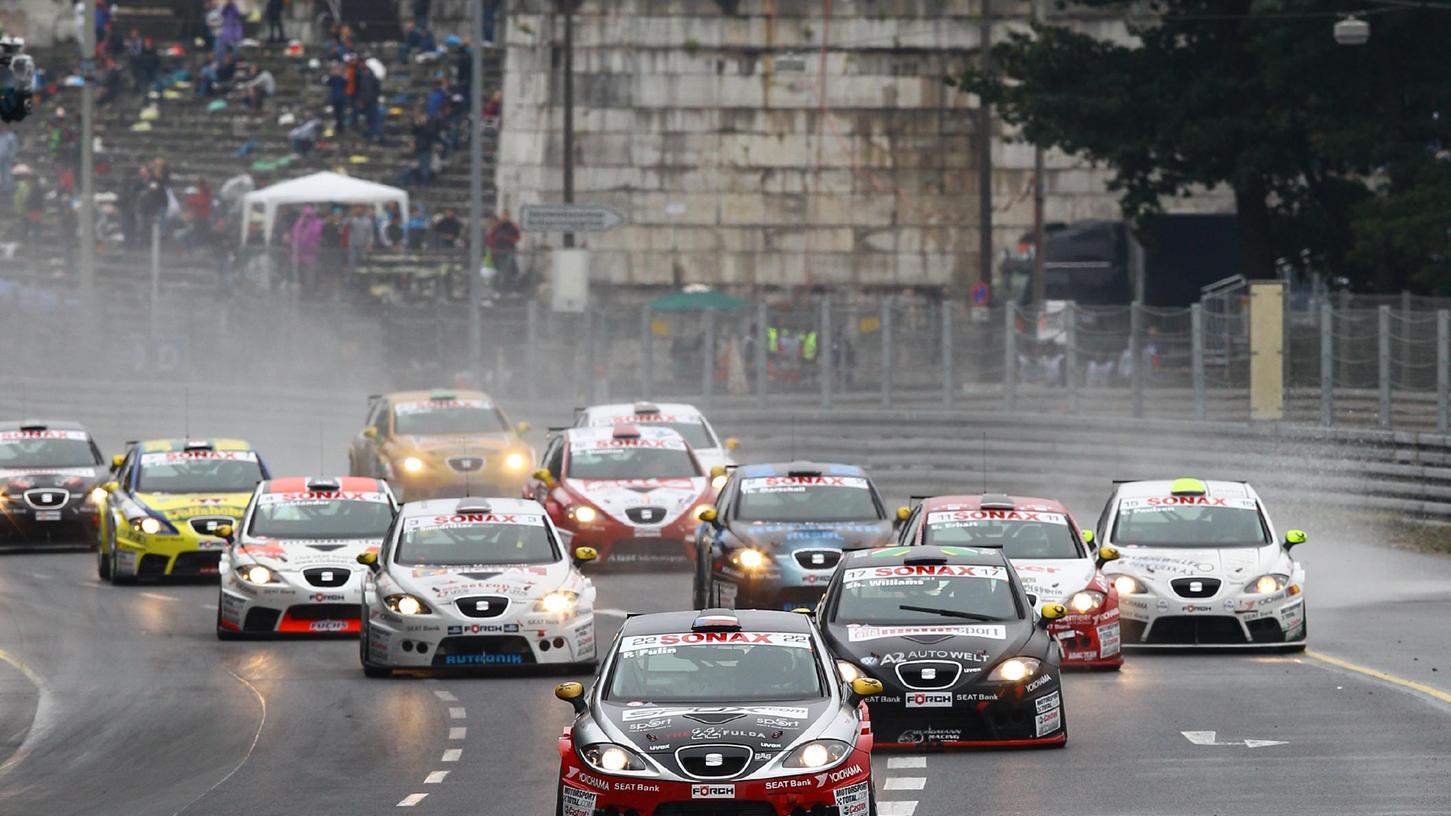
1395, 680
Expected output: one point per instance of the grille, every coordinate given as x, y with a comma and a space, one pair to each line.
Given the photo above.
260, 619
207, 525
928, 674
723, 808
713, 761
189, 564
327, 576
47, 498
483, 606
818, 559
1196, 629
1265, 630
151, 566
324, 611
466, 464
483, 650
1195, 587
646, 515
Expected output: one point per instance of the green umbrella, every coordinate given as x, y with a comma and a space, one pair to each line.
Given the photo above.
697, 301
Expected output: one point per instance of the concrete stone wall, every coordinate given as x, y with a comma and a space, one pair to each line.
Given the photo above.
759, 143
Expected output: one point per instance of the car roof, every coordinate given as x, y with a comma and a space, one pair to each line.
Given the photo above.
305, 484
1164, 487
751, 620
602, 433
647, 411
995, 501
433, 507
800, 466
437, 395
944, 554
180, 444
40, 425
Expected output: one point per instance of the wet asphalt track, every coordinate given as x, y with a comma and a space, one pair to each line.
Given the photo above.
120, 701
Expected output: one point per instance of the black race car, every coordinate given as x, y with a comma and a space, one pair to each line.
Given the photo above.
49, 475
717, 712
777, 532
952, 637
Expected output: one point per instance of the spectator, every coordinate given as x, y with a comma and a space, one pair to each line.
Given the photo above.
417, 229
303, 138
503, 243
231, 31
216, 75
447, 229
130, 205
330, 256
463, 69
337, 96
390, 227
275, 34
360, 237
258, 88
368, 101
110, 82
133, 47
148, 65
306, 243
233, 190
9, 149
415, 38
494, 111
424, 135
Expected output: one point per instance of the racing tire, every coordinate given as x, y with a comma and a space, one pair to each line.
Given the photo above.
369, 669
117, 579
559, 800
872, 801
222, 632
103, 560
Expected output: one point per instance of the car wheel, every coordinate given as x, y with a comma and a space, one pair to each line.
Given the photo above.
103, 560
369, 669
222, 632
871, 801
559, 800
117, 579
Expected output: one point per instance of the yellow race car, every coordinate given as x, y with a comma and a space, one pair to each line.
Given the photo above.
441, 444
166, 503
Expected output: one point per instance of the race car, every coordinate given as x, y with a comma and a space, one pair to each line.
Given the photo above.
1200, 565
777, 531
632, 493
686, 420
717, 712
475, 583
291, 567
436, 444
1056, 563
950, 633
50, 474
166, 504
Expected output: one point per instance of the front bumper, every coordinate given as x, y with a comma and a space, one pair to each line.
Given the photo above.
845, 790
629, 546
1233, 621
1089, 641
444, 639
73, 521
184, 555
292, 606
783, 582
973, 715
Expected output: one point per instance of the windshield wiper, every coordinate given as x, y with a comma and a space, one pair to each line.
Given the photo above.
948, 613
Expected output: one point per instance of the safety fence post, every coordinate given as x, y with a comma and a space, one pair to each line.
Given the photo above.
588, 330
1405, 350
1136, 353
1196, 353
824, 358
647, 354
1327, 365
1070, 360
1384, 364
886, 330
531, 340
1010, 356
707, 377
1443, 370
946, 323
763, 337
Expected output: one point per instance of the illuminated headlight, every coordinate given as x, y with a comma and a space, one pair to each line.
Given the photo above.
406, 605
717, 482
848, 671
1265, 584
612, 758
817, 754
584, 514
1128, 586
255, 574
557, 603
516, 461
1015, 669
95, 496
750, 559
1085, 601
149, 525
412, 464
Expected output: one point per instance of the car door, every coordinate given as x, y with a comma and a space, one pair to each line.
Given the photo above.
366, 444
552, 461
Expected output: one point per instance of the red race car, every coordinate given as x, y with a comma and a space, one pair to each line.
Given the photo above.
633, 493
1058, 564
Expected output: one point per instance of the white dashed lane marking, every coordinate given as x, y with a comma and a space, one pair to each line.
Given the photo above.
452, 755
914, 783
458, 732
893, 763
446, 696
435, 777
896, 808
412, 799
886, 806
456, 713
39, 576
157, 596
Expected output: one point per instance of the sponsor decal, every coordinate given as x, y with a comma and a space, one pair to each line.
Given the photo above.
918, 737
857, 632
1238, 503
716, 733
172, 457
868, 660
928, 699
211, 544
610, 443
798, 484
776, 722
1109, 642
6, 473
592, 781
638, 713
1292, 617
650, 725
787, 784
956, 518
327, 626
637, 787
458, 520
315, 497
727, 592
822, 780
798, 641
577, 802
712, 791
325, 597
976, 697
1162, 605
1036, 684
482, 628
1047, 701
929, 570
15, 436
1049, 721
934, 654
483, 660
854, 800
427, 406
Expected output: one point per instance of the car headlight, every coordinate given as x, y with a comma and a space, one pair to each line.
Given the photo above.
1085, 601
749, 559
816, 754
1015, 669
516, 461
557, 603
848, 671
1127, 585
412, 464
610, 758
94, 497
584, 514
1265, 584
717, 482
256, 574
405, 604
151, 525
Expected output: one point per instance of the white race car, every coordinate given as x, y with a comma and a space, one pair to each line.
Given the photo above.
476, 583
686, 420
1200, 565
291, 566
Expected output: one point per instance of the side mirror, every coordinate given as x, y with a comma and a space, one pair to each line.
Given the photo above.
717, 471
368, 559
111, 487
708, 514
1052, 612
584, 555
370, 433
731, 443
1293, 537
572, 693
903, 513
223, 531
523, 428
864, 687
1087, 536
544, 476
117, 460
1107, 554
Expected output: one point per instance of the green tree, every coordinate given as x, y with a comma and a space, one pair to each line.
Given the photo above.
1319, 142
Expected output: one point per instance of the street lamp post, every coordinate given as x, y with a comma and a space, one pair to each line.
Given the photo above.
476, 191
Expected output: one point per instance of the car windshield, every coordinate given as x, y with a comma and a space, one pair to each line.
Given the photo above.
806, 498
1020, 533
321, 515
447, 417
1190, 521
199, 472
630, 459
937, 594
46, 449
708, 667
466, 539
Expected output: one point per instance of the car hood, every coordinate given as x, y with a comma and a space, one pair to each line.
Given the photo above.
1054, 580
788, 537
516, 582
191, 505
297, 553
975, 647
445, 444
660, 731
616, 496
1159, 565
51, 477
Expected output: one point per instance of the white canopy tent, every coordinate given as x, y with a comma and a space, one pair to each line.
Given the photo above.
318, 188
